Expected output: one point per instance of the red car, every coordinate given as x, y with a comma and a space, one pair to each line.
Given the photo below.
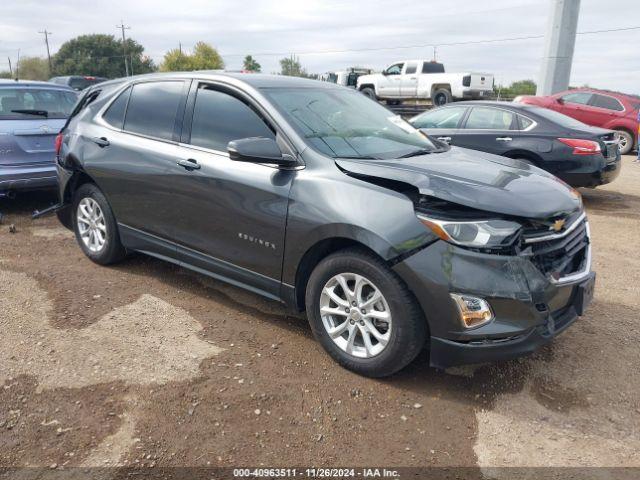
600, 108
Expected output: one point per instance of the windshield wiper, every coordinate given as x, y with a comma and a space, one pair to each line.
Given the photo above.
26, 111
415, 153
360, 157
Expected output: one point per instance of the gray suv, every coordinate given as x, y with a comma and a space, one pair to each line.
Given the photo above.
313, 195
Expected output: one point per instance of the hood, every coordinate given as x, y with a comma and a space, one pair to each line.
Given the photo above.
478, 180
368, 78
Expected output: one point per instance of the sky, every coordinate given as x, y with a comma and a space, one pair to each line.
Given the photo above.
321, 33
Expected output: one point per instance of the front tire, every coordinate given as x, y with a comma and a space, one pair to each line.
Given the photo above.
626, 142
95, 226
363, 315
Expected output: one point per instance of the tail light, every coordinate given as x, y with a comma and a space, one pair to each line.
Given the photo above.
58, 143
582, 147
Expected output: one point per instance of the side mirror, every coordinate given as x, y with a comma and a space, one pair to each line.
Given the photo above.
258, 150
560, 100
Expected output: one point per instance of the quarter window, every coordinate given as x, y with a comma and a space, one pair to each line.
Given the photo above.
604, 101
487, 118
524, 122
447, 117
581, 98
219, 118
114, 115
153, 107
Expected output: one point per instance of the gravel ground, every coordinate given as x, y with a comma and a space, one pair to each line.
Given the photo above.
145, 363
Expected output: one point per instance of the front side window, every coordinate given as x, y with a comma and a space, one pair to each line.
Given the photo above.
219, 118
33, 103
343, 123
411, 68
114, 115
581, 98
395, 69
604, 101
447, 117
487, 118
153, 107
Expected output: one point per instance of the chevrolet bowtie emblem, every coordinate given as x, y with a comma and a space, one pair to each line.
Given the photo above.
558, 224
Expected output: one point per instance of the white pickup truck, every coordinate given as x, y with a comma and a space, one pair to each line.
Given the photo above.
423, 79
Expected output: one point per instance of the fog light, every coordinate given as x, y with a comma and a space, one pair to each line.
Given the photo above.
474, 311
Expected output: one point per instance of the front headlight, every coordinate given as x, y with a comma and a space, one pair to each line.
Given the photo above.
475, 233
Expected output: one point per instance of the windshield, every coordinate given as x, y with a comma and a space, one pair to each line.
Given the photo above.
558, 118
346, 124
22, 103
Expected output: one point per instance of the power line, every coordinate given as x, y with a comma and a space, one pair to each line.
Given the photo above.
428, 45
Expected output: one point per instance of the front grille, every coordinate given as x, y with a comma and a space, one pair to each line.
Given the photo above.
562, 254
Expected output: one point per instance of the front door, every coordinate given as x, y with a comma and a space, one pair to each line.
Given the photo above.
389, 83
233, 214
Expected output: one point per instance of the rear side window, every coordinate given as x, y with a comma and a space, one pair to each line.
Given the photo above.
411, 67
486, 118
114, 115
153, 107
604, 101
219, 118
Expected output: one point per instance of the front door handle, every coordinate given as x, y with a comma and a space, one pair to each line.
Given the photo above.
504, 139
100, 141
189, 164
445, 139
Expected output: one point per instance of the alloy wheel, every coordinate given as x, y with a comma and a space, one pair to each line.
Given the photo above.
356, 315
91, 224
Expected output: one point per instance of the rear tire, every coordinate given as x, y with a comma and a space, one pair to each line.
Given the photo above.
395, 342
626, 142
369, 92
440, 97
95, 226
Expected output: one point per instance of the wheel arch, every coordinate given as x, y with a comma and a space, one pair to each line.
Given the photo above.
517, 153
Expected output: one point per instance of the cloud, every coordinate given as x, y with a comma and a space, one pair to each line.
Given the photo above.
285, 27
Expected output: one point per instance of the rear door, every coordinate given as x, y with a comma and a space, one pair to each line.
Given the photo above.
409, 79
30, 119
132, 153
575, 105
602, 109
442, 123
488, 129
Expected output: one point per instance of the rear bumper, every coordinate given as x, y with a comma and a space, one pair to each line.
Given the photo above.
606, 174
28, 177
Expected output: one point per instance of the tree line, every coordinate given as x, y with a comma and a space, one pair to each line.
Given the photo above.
103, 55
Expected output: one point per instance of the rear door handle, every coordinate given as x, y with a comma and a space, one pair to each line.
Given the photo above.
504, 139
445, 139
100, 141
189, 164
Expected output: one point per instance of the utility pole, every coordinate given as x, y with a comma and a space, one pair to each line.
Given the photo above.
46, 41
10, 69
559, 44
124, 46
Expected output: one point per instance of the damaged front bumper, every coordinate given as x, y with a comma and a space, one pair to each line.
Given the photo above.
529, 309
